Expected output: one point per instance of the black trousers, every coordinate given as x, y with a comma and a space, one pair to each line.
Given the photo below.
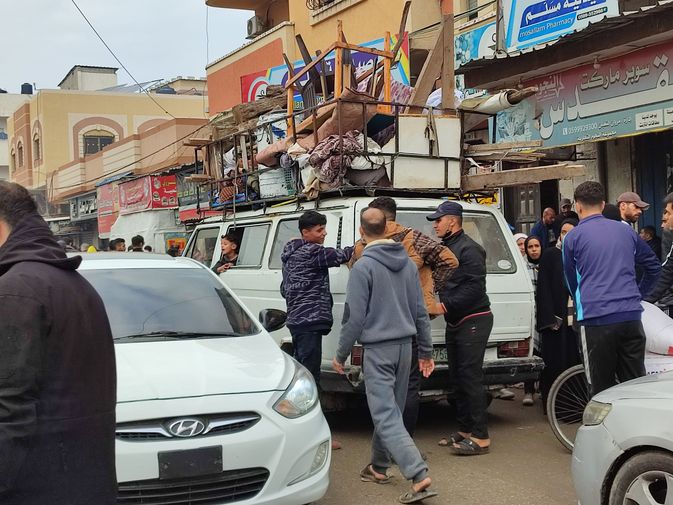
611, 353
308, 351
466, 346
410, 414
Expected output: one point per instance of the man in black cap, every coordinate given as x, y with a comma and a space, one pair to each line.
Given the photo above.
567, 211
467, 311
631, 207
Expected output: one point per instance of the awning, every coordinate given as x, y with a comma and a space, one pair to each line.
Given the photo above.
114, 178
609, 37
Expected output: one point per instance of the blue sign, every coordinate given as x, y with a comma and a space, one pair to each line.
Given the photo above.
531, 22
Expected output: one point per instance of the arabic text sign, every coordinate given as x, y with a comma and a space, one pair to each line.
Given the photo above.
624, 95
530, 22
151, 192
253, 86
108, 206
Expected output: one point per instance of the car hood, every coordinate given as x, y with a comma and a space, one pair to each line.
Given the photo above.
200, 367
652, 386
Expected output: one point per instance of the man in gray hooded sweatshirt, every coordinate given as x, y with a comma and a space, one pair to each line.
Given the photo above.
384, 310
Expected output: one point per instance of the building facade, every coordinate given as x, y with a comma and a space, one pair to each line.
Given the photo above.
9, 102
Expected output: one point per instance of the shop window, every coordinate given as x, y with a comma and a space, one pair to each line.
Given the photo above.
19, 154
202, 246
96, 141
472, 8
253, 239
286, 230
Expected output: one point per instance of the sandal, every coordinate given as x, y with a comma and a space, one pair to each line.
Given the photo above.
454, 438
468, 447
367, 475
416, 496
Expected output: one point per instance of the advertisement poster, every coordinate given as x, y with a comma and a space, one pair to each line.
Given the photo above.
108, 207
177, 240
614, 98
151, 192
472, 45
530, 22
253, 86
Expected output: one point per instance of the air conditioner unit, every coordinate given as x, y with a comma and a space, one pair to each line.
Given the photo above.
255, 27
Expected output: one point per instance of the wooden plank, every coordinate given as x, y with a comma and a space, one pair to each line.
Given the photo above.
448, 76
429, 73
308, 68
247, 111
313, 75
503, 146
387, 77
386, 53
323, 78
521, 176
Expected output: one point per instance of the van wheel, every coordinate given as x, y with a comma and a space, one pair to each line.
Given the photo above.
644, 479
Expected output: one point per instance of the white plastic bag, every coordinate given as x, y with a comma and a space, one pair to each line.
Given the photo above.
658, 330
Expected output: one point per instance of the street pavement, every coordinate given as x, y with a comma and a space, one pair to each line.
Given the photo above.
526, 465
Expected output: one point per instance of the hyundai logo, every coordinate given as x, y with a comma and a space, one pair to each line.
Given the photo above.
185, 428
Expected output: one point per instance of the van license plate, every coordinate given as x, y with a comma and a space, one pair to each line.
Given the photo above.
190, 463
439, 354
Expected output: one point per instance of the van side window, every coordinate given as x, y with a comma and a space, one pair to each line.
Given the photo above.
286, 230
253, 242
203, 246
482, 227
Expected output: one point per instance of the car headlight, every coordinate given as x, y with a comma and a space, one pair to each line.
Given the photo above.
300, 397
595, 412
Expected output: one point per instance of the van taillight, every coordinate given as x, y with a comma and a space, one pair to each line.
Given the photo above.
356, 355
518, 349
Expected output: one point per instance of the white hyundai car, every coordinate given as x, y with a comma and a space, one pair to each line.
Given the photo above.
209, 409
623, 453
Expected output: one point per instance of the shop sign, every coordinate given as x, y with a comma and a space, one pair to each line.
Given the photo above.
622, 96
177, 240
530, 22
253, 86
151, 192
471, 45
83, 207
108, 207
189, 193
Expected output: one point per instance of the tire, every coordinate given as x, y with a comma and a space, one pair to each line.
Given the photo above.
568, 396
644, 479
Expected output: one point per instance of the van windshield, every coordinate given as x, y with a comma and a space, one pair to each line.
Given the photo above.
168, 303
482, 227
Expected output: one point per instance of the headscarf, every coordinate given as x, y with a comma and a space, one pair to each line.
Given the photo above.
519, 236
528, 239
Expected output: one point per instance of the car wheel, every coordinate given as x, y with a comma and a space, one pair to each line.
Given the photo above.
644, 479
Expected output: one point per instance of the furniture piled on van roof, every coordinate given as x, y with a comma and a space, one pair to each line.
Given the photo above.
363, 131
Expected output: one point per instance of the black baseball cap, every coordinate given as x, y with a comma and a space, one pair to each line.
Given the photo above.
446, 209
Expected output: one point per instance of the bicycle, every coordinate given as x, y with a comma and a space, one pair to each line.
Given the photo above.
567, 398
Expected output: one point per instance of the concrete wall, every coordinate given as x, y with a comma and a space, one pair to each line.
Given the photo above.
588, 155
618, 170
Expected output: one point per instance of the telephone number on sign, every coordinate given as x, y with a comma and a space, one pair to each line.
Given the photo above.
578, 129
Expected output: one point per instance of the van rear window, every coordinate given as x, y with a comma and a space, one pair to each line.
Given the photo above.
482, 227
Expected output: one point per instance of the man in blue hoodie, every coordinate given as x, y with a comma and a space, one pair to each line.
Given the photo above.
306, 289
600, 258
384, 310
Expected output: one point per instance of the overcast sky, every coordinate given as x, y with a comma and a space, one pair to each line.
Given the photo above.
155, 39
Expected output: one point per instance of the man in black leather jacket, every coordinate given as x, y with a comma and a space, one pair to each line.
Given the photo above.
467, 311
663, 289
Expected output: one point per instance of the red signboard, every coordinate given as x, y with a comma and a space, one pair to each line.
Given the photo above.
151, 192
108, 207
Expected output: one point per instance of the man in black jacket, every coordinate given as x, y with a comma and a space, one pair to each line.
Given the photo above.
663, 290
57, 369
467, 311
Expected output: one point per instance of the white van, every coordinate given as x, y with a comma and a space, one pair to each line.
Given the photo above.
257, 276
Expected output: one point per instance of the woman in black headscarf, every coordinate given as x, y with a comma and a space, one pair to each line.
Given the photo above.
533, 248
554, 314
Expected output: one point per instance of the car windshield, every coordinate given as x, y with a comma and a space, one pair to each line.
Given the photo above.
168, 303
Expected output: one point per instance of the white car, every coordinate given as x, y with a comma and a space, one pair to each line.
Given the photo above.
209, 409
623, 453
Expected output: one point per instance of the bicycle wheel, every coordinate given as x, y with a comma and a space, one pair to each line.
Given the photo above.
568, 396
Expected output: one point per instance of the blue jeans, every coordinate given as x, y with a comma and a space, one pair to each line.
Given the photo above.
308, 351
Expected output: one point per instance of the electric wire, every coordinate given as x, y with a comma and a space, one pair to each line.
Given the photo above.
119, 61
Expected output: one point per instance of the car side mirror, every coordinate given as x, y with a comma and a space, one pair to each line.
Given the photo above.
272, 319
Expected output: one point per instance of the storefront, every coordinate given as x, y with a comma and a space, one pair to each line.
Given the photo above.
84, 219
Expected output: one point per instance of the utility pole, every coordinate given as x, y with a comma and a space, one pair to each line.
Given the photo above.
448, 56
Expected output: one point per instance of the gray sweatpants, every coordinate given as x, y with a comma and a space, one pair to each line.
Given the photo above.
386, 373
